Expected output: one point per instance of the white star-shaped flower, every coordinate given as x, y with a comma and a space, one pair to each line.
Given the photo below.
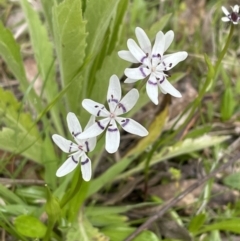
77, 149
153, 62
117, 106
233, 16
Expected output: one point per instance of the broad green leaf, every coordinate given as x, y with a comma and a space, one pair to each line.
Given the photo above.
21, 143
230, 225
70, 41
12, 115
84, 231
47, 9
17, 209
197, 222
30, 226
180, 148
10, 51
9, 196
98, 22
43, 53
233, 180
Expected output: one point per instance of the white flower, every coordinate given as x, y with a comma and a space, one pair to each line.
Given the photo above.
153, 62
233, 16
77, 150
117, 107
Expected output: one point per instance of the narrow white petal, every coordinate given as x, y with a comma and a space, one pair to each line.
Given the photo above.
169, 36
114, 92
64, 144
137, 73
137, 52
112, 137
152, 89
132, 126
225, 11
225, 19
167, 87
129, 81
90, 122
69, 165
173, 59
86, 167
96, 129
73, 124
91, 143
126, 55
143, 40
158, 48
127, 102
236, 9
95, 108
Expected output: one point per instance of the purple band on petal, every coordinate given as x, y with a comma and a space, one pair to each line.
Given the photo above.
74, 160
85, 162
142, 71
112, 129
113, 100
120, 105
162, 80
87, 145
99, 124
143, 58
152, 83
76, 134
70, 147
156, 56
125, 122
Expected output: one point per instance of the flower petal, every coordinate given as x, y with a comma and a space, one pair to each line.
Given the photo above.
95, 108
90, 122
126, 55
69, 165
167, 87
225, 11
137, 73
127, 102
73, 124
64, 144
169, 36
114, 92
152, 89
129, 81
132, 126
112, 137
96, 129
158, 48
172, 60
86, 167
143, 40
137, 52
225, 19
235, 8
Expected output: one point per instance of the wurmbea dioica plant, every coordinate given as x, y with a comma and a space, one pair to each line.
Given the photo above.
153, 62
117, 106
233, 16
77, 150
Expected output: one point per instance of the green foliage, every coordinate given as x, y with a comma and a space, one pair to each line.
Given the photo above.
233, 180
197, 222
29, 226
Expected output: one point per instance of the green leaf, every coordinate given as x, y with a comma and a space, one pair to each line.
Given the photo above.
10, 51
197, 222
84, 231
20, 143
10, 196
43, 53
228, 104
98, 22
30, 226
70, 41
233, 180
230, 225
